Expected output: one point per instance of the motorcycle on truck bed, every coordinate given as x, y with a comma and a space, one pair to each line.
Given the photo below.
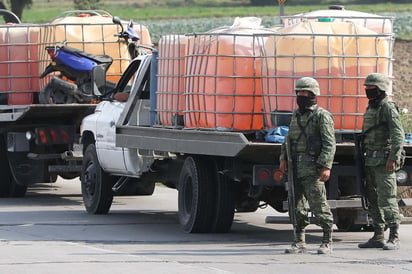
39, 142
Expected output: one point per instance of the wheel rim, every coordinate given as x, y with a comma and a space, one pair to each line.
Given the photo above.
188, 197
90, 180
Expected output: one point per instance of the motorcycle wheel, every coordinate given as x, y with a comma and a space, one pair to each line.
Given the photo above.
54, 95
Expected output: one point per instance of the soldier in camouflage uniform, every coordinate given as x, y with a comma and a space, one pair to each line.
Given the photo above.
312, 146
383, 139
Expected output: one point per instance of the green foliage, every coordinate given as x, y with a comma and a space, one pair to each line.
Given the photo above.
182, 16
402, 24
86, 4
406, 119
43, 11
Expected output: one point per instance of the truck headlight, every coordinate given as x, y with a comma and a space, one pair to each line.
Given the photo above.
401, 177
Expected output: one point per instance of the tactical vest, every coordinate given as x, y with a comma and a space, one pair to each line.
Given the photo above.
376, 127
304, 133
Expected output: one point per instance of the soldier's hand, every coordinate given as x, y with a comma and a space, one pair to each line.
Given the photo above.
324, 174
283, 166
390, 165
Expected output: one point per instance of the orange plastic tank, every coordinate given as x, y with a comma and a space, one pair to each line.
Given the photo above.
222, 87
19, 65
94, 34
377, 23
338, 54
170, 80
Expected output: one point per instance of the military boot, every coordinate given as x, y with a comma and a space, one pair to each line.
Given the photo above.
377, 241
299, 245
326, 245
393, 242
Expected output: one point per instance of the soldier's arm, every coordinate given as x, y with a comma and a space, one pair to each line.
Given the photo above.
396, 133
283, 155
327, 134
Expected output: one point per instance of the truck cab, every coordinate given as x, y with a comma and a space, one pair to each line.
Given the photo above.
100, 127
122, 167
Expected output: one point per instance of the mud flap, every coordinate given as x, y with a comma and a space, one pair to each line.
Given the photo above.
26, 171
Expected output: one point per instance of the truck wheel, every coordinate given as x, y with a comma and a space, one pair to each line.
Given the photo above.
225, 204
9, 188
346, 220
8, 185
17, 190
196, 196
96, 184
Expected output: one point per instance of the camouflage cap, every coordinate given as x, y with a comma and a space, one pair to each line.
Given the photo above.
309, 84
377, 79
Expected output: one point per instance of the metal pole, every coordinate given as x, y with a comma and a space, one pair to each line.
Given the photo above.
281, 10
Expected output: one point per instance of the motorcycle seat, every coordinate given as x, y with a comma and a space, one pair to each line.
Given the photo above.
101, 59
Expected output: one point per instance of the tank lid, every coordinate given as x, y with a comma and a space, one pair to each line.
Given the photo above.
336, 7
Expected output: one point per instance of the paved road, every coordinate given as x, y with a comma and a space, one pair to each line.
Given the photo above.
48, 231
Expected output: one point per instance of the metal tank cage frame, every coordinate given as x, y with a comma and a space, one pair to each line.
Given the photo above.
23, 56
359, 78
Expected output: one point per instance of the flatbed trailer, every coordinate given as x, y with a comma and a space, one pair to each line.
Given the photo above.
37, 144
237, 147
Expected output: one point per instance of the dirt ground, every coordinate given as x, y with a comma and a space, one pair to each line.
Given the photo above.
402, 71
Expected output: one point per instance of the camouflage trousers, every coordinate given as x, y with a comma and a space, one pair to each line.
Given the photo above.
310, 193
381, 187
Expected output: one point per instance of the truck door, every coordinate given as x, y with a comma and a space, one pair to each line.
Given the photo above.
110, 156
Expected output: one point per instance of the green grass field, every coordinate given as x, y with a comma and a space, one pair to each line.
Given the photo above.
46, 10
171, 16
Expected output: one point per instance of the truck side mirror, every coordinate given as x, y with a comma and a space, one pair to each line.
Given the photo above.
99, 79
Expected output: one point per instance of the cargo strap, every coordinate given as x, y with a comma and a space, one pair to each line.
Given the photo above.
303, 128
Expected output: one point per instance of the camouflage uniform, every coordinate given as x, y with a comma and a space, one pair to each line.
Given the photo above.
312, 148
383, 139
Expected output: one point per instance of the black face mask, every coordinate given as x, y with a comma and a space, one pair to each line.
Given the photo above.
304, 102
372, 93
375, 96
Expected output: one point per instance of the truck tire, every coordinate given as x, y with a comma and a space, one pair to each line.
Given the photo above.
346, 220
16, 190
95, 183
196, 196
8, 185
225, 203
9, 188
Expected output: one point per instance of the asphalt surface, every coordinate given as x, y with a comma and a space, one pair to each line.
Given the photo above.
49, 231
